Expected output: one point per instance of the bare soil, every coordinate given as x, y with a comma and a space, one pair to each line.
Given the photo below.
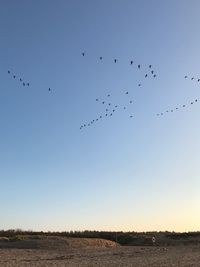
115, 256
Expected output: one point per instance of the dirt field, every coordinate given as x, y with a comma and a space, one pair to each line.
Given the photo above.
177, 256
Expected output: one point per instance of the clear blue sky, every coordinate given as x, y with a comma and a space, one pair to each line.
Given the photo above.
119, 174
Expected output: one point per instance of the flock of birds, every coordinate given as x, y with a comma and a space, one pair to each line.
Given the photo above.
14, 76
111, 108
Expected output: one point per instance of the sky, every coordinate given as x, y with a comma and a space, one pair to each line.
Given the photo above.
120, 173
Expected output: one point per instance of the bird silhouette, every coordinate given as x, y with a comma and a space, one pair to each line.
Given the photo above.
9, 71
150, 66
192, 78
176, 108
146, 76
27, 84
184, 106
131, 116
20, 79
97, 99
115, 60
83, 54
103, 102
139, 66
126, 93
113, 110
106, 109
196, 100
100, 58
185, 76
198, 80
49, 89
124, 107
116, 106
152, 72
24, 84
110, 114
14, 76
131, 62
192, 103
130, 101
106, 114
154, 75
108, 95
139, 84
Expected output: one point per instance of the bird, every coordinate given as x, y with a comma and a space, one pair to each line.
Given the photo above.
83, 54
103, 102
106, 109
131, 62
100, 58
192, 103
139, 66
192, 78
131, 116
146, 76
108, 95
14, 76
116, 106
184, 106
198, 80
154, 75
150, 66
124, 107
109, 104
97, 99
115, 60
27, 84
97, 119
139, 84
152, 72
49, 89
113, 110
196, 100
157, 114
126, 93
167, 111
84, 125
20, 79
8, 71
185, 76
24, 84
88, 124
176, 108
110, 114
130, 101
100, 117
106, 114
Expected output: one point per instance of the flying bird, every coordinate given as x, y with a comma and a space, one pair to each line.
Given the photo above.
103, 102
97, 99
146, 76
100, 58
130, 101
139, 66
109, 104
198, 80
9, 71
20, 79
27, 84
131, 116
184, 106
108, 95
115, 60
14, 76
83, 54
192, 78
49, 89
150, 66
196, 100
131, 62
139, 84
154, 75
24, 84
185, 76
126, 93
152, 72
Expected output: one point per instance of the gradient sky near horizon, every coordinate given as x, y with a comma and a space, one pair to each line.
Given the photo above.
138, 174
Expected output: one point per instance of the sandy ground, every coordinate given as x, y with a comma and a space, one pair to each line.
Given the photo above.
180, 256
